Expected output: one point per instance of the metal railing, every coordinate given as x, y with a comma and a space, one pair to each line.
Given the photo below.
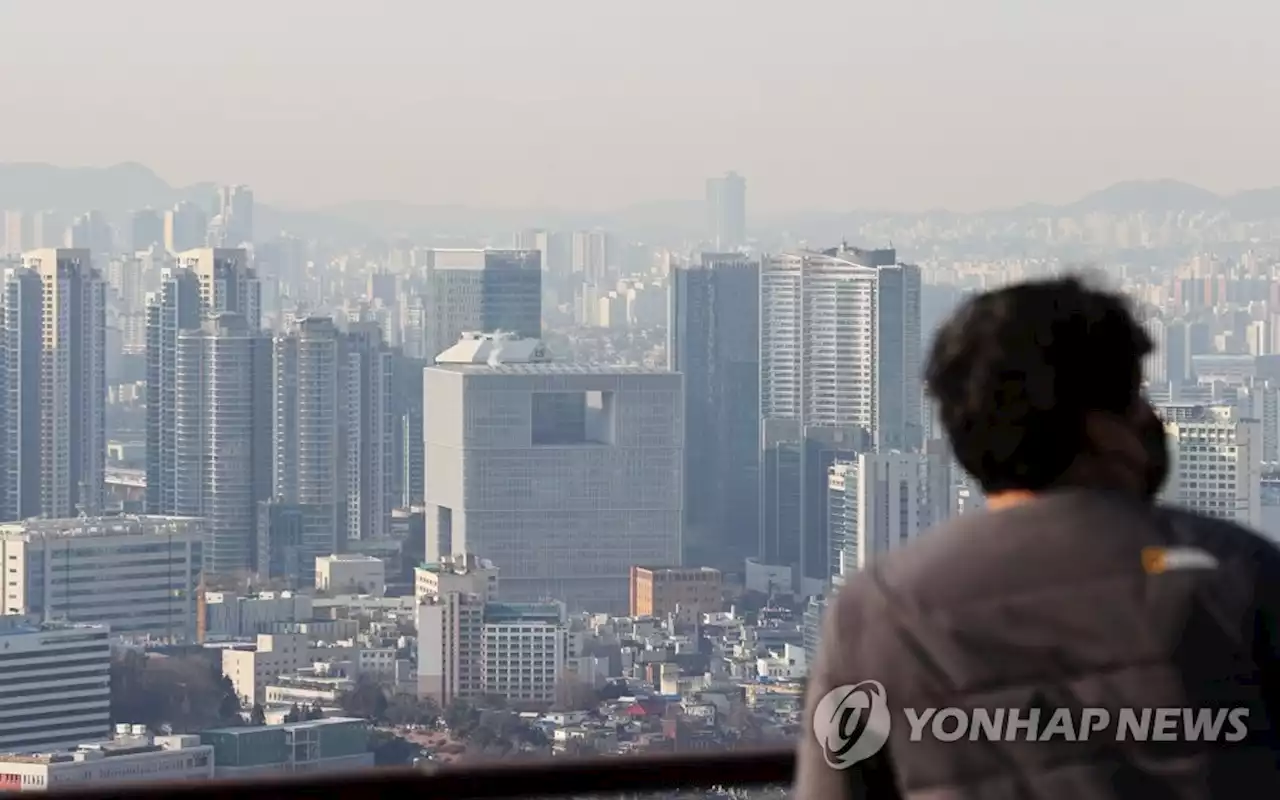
553, 777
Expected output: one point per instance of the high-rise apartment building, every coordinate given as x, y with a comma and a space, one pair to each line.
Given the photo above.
203, 282
591, 256
184, 227
481, 290
332, 435
73, 383
840, 374
222, 459
146, 229
16, 237
1215, 463
175, 308
879, 502
727, 212
235, 215
55, 684
564, 475
227, 282
713, 339
22, 410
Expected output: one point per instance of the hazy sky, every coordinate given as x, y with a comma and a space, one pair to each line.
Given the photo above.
596, 103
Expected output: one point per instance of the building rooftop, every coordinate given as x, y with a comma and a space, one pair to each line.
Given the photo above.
523, 612
124, 525
347, 557
311, 723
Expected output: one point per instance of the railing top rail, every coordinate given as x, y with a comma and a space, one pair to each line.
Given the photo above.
490, 780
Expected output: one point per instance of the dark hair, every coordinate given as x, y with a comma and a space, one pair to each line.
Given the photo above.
1015, 371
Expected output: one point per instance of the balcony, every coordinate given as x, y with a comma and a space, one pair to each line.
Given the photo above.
737, 773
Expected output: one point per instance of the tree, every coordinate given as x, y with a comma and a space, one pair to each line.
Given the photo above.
574, 694
183, 694
315, 712
294, 714
390, 750
258, 716
366, 700
461, 718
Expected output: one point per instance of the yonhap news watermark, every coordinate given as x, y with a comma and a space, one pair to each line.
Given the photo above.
852, 723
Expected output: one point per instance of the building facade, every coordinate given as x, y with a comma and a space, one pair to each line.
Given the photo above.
55, 684
563, 475
136, 574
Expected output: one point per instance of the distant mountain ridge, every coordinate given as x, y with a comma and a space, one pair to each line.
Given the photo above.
118, 189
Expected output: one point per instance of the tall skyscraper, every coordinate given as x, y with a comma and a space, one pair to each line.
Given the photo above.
22, 360
16, 236
369, 456
223, 441
714, 341
879, 502
172, 310
536, 239
727, 212
332, 434
227, 282
591, 256
73, 382
839, 375
481, 290
184, 227
235, 212
146, 228
307, 456
569, 477
205, 282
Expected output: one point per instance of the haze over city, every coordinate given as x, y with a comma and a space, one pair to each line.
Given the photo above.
587, 106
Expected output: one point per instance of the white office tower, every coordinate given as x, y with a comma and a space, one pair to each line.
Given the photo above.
470, 646
55, 684
840, 374
137, 574
227, 282
1215, 463
223, 443
332, 437
73, 383
882, 501
564, 475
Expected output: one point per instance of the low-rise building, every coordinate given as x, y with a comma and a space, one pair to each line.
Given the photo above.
251, 668
132, 756
687, 592
228, 615
337, 744
351, 573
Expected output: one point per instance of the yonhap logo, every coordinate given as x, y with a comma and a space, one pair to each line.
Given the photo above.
852, 723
